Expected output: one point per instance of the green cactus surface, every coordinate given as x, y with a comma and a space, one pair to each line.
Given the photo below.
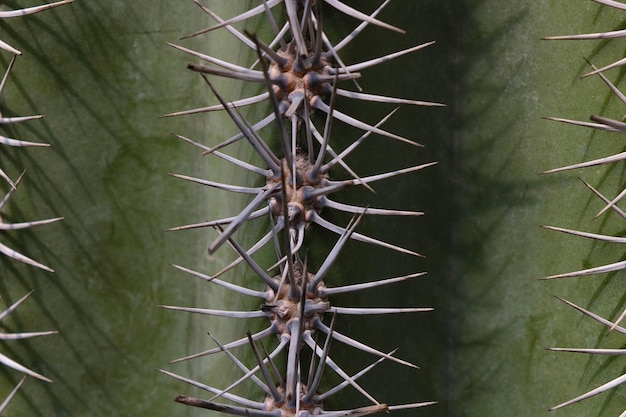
102, 74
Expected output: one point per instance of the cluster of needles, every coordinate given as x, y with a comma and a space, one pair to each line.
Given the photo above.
301, 72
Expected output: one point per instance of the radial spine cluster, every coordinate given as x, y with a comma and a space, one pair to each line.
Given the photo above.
301, 71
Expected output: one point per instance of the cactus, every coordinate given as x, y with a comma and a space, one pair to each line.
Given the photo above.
102, 74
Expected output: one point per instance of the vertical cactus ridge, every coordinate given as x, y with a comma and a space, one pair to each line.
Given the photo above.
616, 126
7, 141
6, 226
301, 80
102, 73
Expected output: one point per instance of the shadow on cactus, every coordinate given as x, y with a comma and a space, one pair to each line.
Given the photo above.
20, 143
5, 226
611, 204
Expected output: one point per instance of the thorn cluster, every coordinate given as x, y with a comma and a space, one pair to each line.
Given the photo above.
301, 70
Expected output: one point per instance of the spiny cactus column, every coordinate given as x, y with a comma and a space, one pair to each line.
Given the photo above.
303, 76
6, 225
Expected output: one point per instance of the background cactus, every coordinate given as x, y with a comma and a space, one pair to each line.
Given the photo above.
102, 74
